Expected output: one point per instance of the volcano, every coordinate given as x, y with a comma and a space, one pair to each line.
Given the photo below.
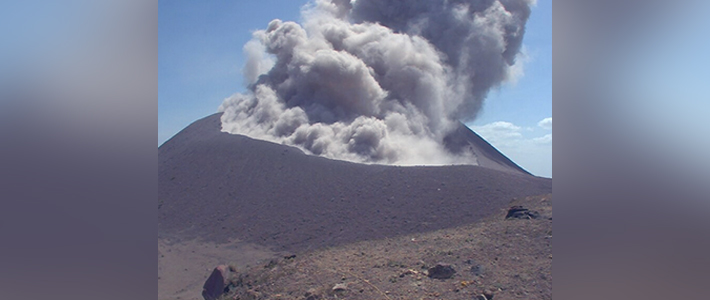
217, 188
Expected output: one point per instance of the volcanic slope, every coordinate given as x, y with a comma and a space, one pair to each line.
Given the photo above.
218, 187
463, 138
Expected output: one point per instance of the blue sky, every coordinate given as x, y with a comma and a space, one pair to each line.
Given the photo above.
200, 60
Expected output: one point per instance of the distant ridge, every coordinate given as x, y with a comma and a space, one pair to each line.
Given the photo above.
463, 138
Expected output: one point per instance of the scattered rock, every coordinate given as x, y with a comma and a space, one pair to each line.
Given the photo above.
219, 282
340, 287
311, 295
519, 212
409, 272
477, 270
441, 271
487, 295
272, 263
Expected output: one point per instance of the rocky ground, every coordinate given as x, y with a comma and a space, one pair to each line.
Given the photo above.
495, 258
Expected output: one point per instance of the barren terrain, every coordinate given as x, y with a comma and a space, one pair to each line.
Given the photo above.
232, 199
506, 259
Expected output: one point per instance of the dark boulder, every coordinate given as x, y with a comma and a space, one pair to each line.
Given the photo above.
441, 271
519, 212
219, 283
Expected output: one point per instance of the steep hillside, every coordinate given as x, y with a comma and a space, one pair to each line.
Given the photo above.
218, 187
229, 198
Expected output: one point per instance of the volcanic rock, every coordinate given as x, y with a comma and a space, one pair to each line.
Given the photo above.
340, 287
441, 271
519, 212
219, 282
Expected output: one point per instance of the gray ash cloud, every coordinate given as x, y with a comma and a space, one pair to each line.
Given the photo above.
377, 81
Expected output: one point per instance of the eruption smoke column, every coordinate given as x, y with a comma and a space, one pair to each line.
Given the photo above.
376, 81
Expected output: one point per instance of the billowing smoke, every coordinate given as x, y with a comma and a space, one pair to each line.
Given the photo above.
377, 81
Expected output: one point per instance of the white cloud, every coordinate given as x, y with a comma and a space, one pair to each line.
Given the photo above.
499, 131
532, 153
544, 140
546, 123
517, 70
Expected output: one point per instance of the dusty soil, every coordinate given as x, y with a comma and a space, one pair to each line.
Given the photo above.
509, 259
183, 265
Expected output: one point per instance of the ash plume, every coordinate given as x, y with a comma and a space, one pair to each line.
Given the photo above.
377, 81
